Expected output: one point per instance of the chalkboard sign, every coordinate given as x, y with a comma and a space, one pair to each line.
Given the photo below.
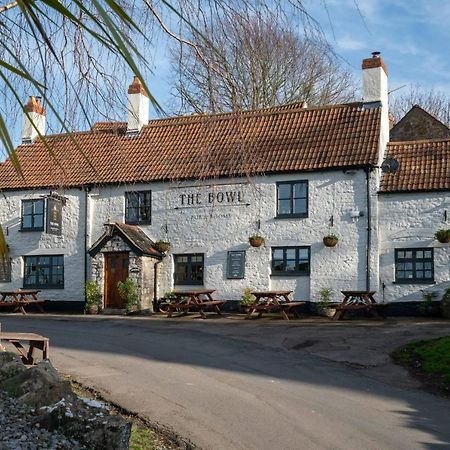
236, 265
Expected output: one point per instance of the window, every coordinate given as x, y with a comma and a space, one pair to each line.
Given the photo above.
292, 199
138, 207
414, 265
291, 260
189, 269
32, 215
44, 272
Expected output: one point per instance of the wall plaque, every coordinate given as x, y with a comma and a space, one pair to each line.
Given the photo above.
54, 216
236, 265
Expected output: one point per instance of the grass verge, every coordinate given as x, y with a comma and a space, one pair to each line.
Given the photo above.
428, 360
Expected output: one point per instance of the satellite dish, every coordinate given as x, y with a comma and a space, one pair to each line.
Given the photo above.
390, 165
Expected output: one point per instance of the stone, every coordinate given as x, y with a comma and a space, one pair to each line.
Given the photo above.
10, 365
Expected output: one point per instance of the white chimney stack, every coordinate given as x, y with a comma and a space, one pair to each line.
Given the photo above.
375, 84
138, 105
36, 113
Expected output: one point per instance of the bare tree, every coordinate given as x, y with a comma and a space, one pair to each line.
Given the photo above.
437, 103
252, 59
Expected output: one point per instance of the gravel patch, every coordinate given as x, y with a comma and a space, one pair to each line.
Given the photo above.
18, 431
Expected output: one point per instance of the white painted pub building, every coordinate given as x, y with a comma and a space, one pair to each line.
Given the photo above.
206, 183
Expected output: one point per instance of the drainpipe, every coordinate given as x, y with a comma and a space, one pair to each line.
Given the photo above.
86, 235
369, 228
155, 285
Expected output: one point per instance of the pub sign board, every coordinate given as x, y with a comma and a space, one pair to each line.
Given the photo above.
54, 216
236, 265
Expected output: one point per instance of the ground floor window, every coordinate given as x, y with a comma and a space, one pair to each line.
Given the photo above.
5, 270
44, 272
414, 265
189, 268
291, 260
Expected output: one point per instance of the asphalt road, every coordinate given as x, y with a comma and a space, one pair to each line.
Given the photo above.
226, 385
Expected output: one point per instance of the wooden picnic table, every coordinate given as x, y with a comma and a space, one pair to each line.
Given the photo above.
35, 341
359, 300
199, 300
273, 301
21, 298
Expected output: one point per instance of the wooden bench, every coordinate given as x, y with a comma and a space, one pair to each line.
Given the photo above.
20, 299
273, 301
359, 300
35, 342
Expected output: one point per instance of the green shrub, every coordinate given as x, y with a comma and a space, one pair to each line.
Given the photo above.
247, 298
426, 305
128, 293
445, 304
325, 297
93, 296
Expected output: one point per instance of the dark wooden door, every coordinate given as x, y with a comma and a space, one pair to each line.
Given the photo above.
116, 269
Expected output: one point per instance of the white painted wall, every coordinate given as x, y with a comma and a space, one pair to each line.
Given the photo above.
215, 230
70, 244
410, 221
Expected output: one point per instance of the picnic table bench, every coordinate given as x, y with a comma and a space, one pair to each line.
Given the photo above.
359, 300
35, 341
21, 298
273, 301
200, 300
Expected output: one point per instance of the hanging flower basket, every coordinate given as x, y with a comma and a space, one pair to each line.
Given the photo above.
256, 240
443, 236
331, 240
162, 246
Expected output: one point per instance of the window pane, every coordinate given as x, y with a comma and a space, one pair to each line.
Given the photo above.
419, 254
132, 199
300, 190
27, 222
39, 207
400, 255
419, 274
284, 191
400, 274
428, 274
39, 221
284, 207
427, 253
278, 266
290, 265
132, 215
290, 253
278, 253
299, 206
303, 267
427, 265
303, 253
408, 254
197, 258
27, 208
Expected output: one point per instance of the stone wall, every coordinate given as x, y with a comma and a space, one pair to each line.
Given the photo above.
410, 221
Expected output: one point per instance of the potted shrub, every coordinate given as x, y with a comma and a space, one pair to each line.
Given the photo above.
324, 307
330, 240
443, 236
93, 303
246, 300
128, 293
256, 240
162, 246
445, 304
429, 306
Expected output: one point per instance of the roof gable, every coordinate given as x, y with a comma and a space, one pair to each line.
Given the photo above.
418, 124
281, 139
133, 235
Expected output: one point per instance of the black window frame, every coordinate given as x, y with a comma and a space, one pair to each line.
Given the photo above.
141, 204
413, 261
33, 202
292, 197
51, 266
189, 280
296, 273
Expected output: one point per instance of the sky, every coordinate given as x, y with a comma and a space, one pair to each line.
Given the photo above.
413, 37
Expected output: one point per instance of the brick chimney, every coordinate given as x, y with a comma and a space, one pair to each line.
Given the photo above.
375, 84
36, 113
138, 105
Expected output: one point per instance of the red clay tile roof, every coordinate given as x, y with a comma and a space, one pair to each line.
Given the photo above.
287, 138
424, 166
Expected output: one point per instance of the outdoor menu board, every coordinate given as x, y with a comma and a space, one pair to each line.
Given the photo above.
236, 264
54, 216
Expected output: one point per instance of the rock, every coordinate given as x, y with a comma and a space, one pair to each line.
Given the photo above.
91, 426
10, 365
38, 386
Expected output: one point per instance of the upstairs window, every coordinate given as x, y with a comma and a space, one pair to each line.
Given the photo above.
32, 215
44, 272
291, 261
138, 207
292, 199
414, 265
189, 269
